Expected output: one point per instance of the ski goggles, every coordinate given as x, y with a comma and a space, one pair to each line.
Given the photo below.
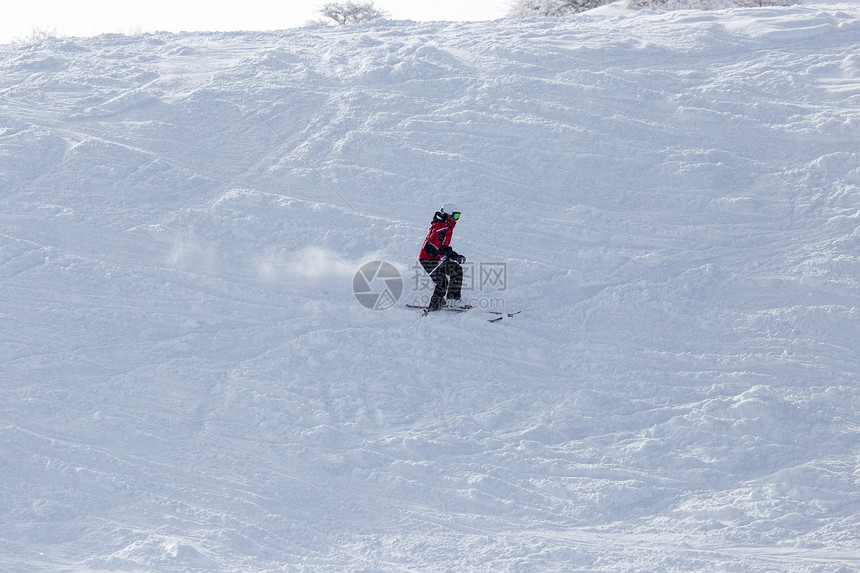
455, 215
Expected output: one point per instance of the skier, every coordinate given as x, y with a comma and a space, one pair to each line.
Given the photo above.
440, 261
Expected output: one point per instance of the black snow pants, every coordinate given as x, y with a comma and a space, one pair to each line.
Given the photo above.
447, 275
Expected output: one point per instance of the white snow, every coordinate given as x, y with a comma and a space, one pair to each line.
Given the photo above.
189, 383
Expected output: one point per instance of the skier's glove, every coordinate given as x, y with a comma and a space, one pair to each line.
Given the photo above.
460, 259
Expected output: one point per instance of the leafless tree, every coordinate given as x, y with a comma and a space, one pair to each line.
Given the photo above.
349, 12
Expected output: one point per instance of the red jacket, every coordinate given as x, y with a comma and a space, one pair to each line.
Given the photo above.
438, 241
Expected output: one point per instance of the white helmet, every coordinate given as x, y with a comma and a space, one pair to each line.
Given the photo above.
451, 209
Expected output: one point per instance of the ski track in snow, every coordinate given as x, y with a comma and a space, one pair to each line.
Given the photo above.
188, 382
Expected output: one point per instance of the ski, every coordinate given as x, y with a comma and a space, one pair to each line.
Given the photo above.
499, 314
450, 308
503, 313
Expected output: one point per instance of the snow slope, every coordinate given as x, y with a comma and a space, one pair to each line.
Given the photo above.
189, 383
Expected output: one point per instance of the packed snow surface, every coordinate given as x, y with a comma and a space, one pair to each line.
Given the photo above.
673, 201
